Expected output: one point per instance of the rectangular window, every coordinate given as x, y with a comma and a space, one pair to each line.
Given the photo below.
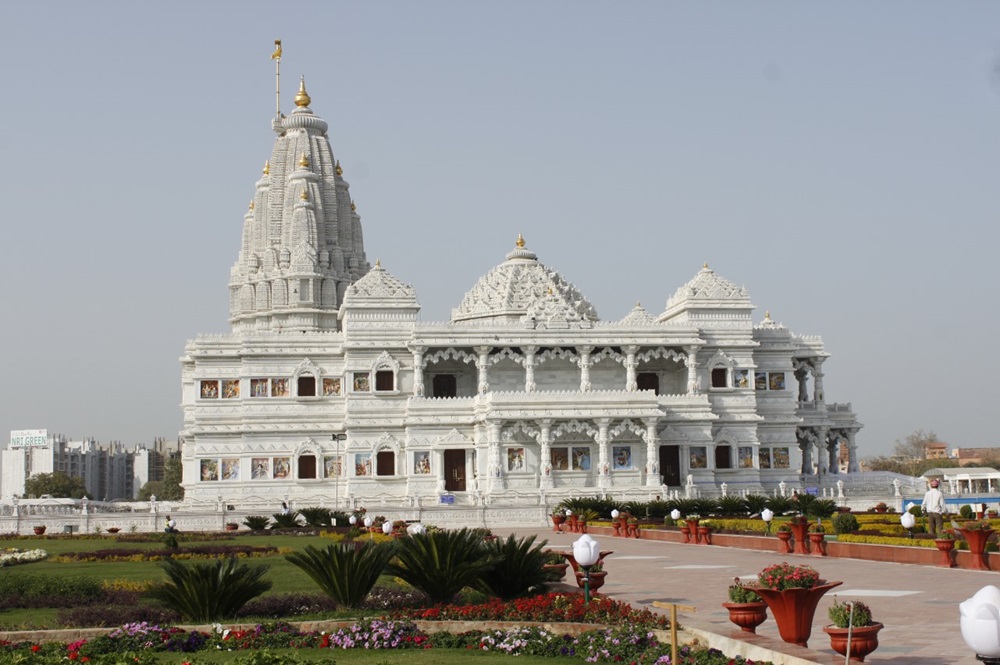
699, 458
745, 454
331, 387
765, 458
279, 387
760, 380
444, 385
209, 389
776, 381
720, 377
258, 387
780, 458
307, 387
723, 457
385, 463
231, 389
307, 467
385, 380
361, 382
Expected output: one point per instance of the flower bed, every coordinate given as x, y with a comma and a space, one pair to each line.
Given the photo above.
195, 552
13, 557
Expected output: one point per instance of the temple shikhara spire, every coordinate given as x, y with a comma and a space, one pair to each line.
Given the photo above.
330, 390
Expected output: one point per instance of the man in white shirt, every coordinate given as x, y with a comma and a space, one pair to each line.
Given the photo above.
933, 507
171, 525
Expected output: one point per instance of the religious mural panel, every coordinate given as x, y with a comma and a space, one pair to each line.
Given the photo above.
760, 380
332, 466
231, 468
331, 387
741, 377
776, 380
421, 462
362, 383
765, 458
260, 468
209, 389
230, 389
622, 457
209, 469
279, 387
282, 467
780, 458
363, 464
745, 454
699, 457
581, 458
560, 459
515, 459
258, 387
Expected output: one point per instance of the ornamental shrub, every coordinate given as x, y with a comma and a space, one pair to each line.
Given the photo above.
317, 517
214, 591
289, 521
256, 522
840, 614
442, 563
742, 594
845, 523
343, 572
783, 576
519, 569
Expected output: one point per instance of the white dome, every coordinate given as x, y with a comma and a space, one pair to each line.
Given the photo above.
523, 290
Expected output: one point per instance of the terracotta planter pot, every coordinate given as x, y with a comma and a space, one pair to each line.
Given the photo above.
864, 640
817, 544
558, 570
39, 530
705, 535
793, 610
747, 615
112, 529
786, 542
976, 538
693, 528
596, 579
687, 534
229, 527
557, 521
617, 526
801, 534
946, 546
633, 530
574, 523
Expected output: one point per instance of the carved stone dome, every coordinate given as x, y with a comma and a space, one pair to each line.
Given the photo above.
523, 290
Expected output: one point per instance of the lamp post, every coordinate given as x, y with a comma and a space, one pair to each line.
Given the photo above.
368, 525
337, 438
980, 624
908, 521
387, 527
586, 552
768, 516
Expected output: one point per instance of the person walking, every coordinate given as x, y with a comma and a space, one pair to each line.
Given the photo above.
933, 507
171, 525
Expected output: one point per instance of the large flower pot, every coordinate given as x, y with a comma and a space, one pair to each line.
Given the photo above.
801, 534
786, 542
617, 526
574, 523
686, 532
946, 546
557, 521
633, 530
817, 543
864, 640
705, 535
747, 615
693, 528
793, 610
557, 570
39, 530
976, 538
596, 579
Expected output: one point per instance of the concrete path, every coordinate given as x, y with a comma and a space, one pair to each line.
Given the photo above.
917, 604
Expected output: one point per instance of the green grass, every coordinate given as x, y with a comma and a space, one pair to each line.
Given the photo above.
374, 657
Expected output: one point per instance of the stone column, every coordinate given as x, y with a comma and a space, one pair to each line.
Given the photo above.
692, 367
652, 463
545, 456
630, 383
822, 459
806, 446
833, 449
495, 468
818, 381
800, 376
483, 365
529, 369
603, 468
852, 453
585, 364
418, 370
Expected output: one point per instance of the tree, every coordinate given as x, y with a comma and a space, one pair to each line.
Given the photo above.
168, 489
914, 446
56, 484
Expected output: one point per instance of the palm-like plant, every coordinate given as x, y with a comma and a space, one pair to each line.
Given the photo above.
210, 591
442, 563
782, 505
289, 521
317, 517
519, 569
256, 522
343, 572
732, 505
756, 503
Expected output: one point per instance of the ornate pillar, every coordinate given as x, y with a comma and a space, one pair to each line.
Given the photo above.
482, 364
545, 460
529, 369
806, 446
603, 468
652, 463
630, 383
852, 453
801, 374
692, 366
494, 467
823, 459
833, 450
585, 364
818, 380
418, 370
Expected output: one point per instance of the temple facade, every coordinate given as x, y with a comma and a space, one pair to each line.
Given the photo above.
329, 389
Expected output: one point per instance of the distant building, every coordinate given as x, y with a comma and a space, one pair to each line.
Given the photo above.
936, 450
966, 456
109, 471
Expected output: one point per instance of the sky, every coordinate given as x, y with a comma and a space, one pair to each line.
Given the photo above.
840, 160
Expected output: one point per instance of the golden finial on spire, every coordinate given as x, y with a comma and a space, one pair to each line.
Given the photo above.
638, 304
304, 195
767, 315
337, 168
304, 161
251, 204
302, 97
276, 56
354, 206
705, 265
520, 240
378, 263
550, 290
267, 167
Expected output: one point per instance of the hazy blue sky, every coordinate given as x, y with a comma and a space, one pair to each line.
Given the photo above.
841, 160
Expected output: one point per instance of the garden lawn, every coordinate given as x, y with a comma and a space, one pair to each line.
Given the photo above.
376, 657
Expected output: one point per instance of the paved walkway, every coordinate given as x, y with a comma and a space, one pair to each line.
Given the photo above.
917, 604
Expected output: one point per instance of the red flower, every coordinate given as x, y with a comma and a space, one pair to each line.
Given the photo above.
35, 647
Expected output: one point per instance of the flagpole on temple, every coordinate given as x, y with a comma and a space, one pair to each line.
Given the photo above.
276, 56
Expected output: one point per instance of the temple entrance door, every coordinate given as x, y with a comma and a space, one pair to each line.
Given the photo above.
454, 470
670, 465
